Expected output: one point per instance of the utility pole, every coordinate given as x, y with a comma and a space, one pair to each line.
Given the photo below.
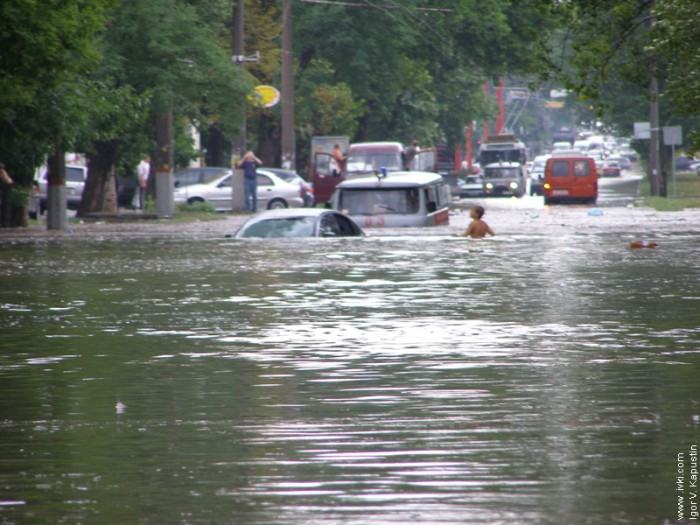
501, 101
239, 143
165, 161
288, 142
237, 45
56, 190
485, 131
654, 142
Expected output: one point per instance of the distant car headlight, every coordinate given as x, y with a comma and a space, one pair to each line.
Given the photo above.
489, 186
547, 186
513, 185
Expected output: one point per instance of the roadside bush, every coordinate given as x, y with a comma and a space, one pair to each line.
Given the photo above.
202, 206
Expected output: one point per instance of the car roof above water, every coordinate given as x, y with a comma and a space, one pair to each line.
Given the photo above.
397, 179
290, 213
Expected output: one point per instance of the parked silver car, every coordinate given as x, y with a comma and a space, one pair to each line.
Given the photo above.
75, 184
273, 192
291, 176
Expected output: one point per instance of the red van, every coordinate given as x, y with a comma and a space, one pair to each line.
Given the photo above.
570, 179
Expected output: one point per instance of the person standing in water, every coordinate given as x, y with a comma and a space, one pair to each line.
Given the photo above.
478, 228
249, 164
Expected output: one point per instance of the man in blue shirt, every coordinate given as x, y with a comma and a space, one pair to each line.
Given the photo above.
249, 165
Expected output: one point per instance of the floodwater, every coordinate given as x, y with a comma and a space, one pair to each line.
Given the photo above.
548, 375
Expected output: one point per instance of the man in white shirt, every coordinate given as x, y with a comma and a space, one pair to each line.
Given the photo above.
143, 170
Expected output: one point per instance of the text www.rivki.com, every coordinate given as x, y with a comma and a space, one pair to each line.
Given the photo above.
687, 484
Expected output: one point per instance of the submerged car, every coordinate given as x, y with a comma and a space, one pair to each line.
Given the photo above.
273, 192
304, 222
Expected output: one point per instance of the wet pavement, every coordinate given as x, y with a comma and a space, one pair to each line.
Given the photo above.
547, 375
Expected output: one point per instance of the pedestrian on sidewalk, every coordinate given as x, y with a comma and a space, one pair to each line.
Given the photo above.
249, 164
143, 171
6, 183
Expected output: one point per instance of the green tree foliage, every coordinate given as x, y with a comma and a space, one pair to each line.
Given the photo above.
46, 50
418, 74
677, 40
43, 44
323, 106
157, 55
612, 47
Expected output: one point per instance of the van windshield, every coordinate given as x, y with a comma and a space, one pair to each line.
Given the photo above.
487, 156
75, 174
379, 201
371, 162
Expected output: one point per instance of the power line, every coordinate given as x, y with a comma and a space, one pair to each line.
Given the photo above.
428, 37
365, 5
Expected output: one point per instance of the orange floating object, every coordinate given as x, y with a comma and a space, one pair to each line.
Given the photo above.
643, 244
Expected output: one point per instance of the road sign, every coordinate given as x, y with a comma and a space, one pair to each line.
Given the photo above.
673, 135
642, 130
266, 96
518, 94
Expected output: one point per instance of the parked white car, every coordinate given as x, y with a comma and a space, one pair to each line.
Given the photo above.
273, 192
75, 184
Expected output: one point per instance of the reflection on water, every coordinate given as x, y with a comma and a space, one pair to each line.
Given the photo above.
549, 379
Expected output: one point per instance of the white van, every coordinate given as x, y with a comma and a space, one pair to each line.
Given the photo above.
395, 200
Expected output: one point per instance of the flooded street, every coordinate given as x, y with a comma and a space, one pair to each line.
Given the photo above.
547, 375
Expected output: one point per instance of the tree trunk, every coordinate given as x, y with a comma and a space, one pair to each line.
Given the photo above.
100, 194
268, 140
12, 215
216, 147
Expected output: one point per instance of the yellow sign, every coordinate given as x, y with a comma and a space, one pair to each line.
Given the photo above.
554, 104
265, 96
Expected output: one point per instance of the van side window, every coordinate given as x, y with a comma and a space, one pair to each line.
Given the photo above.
444, 194
582, 168
438, 199
560, 168
430, 199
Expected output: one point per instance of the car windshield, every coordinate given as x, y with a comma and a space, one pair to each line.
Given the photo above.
375, 201
282, 227
205, 176
75, 174
501, 173
373, 162
287, 176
